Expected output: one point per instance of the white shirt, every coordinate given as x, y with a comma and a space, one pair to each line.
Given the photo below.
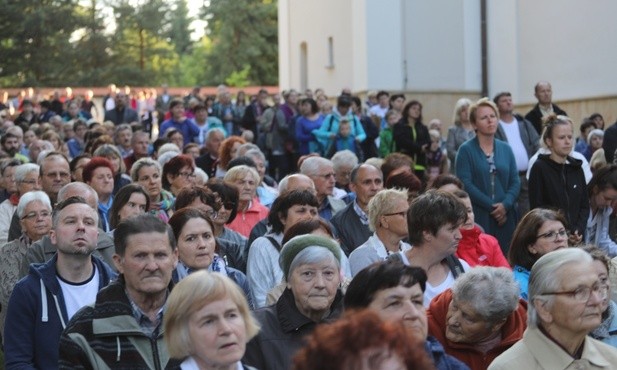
78, 295
513, 135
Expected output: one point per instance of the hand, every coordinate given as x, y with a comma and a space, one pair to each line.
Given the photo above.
499, 213
574, 238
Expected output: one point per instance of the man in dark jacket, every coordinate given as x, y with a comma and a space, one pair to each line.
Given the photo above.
544, 94
121, 113
125, 324
42, 304
351, 222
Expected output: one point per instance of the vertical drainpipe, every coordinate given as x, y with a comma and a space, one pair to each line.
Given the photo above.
484, 42
404, 45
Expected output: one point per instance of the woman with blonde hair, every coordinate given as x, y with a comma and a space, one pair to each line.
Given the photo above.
207, 323
461, 131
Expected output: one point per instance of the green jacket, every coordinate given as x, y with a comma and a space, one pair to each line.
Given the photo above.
386, 142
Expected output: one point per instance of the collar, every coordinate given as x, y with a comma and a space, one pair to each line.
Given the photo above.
292, 320
363, 216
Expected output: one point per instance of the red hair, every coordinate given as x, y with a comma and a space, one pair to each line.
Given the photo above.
340, 345
95, 163
225, 150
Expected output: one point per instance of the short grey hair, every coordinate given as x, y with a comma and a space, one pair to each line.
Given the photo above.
201, 174
9, 162
284, 183
312, 165
594, 132
141, 163
108, 150
491, 291
252, 153
24, 169
543, 278
215, 130
245, 148
167, 156
344, 158
84, 189
313, 254
384, 202
168, 147
32, 196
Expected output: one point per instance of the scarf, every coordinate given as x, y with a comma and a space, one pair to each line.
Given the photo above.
161, 208
217, 265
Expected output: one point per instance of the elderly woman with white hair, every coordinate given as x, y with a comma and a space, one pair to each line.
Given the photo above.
25, 178
311, 267
565, 304
34, 213
387, 218
267, 194
249, 210
480, 317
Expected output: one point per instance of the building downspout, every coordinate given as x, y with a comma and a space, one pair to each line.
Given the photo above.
484, 51
404, 46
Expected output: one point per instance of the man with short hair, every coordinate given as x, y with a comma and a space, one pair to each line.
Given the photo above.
121, 113
205, 123
10, 142
125, 324
178, 120
351, 222
123, 136
544, 94
139, 143
209, 159
42, 304
321, 171
383, 105
523, 139
55, 173
44, 249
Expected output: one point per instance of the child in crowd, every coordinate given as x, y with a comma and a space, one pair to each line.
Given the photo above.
476, 247
344, 139
386, 141
436, 159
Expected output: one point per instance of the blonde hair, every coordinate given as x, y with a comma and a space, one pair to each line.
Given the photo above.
238, 172
458, 107
383, 202
484, 102
189, 296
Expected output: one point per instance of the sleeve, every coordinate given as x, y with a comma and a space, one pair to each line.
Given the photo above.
194, 130
384, 144
404, 141
609, 144
301, 135
20, 323
465, 172
323, 132
536, 198
513, 182
260, 270
71, 354
359, 130
253, 355
163, 128
583, 211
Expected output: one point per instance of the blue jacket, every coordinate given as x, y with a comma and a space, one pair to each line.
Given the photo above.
441, 359
521, 275
36, 316
188, 128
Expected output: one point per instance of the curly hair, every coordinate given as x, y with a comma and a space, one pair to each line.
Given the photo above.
361, 337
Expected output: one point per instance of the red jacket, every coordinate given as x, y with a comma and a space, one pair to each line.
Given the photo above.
244, 221
480, 249
511, 332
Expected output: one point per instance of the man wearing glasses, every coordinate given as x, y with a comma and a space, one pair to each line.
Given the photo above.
565, 297
321, 171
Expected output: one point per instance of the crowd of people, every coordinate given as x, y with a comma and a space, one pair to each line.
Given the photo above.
286, 232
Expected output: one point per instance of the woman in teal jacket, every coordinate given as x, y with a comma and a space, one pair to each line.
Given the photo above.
487, 168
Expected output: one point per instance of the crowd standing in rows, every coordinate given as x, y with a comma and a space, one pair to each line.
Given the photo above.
282, 232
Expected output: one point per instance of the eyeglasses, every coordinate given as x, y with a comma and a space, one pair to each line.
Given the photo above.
29, 182
554, 234
54, 175
402, 213
582, 293
327, 176
186, 175
35, 215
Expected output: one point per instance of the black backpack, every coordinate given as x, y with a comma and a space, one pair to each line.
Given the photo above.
454, 264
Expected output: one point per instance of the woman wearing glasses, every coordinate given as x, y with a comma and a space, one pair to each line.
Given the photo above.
557, 180
178, 173
540, 231
387, 217
34, 212
487, 168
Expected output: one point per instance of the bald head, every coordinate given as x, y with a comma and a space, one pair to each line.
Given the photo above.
79, 189
296, 181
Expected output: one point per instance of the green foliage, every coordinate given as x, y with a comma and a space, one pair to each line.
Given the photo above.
243, 32
70, 43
